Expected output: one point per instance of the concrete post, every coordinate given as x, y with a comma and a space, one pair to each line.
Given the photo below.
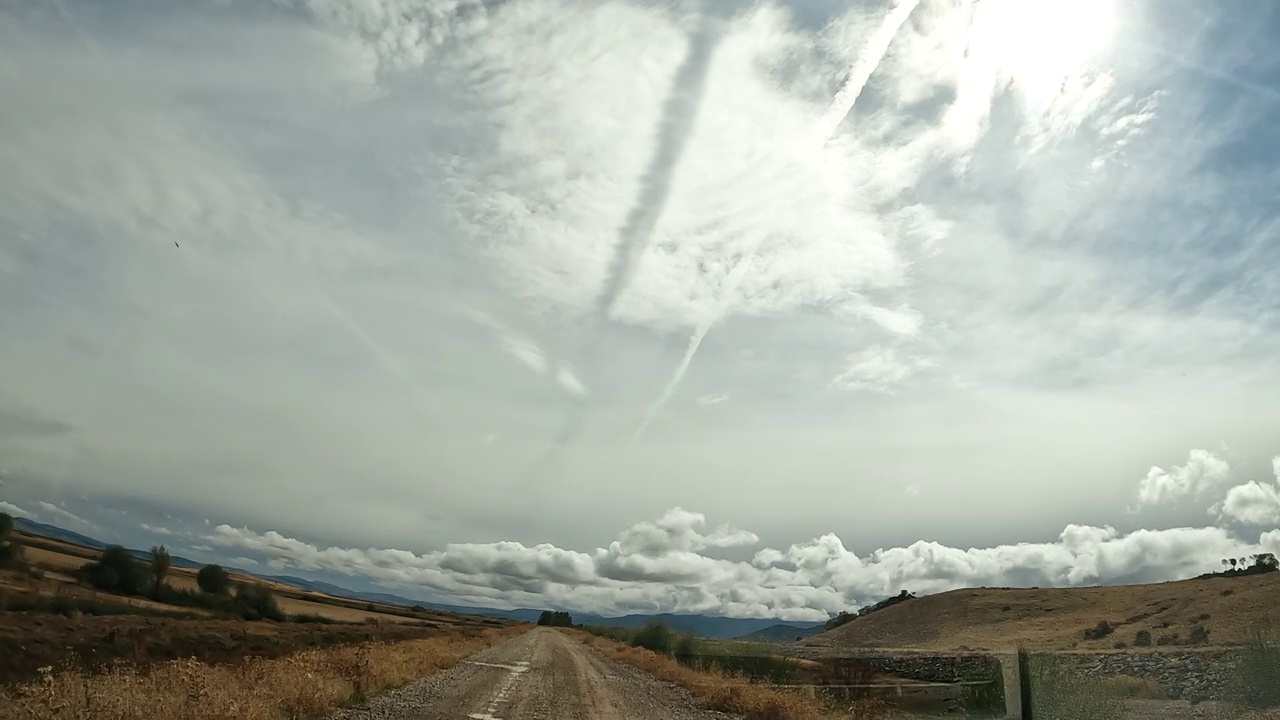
1012, 678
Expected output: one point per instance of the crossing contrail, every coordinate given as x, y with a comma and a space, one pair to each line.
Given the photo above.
859, 73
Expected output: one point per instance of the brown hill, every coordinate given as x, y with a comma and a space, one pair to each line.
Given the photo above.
1229, 608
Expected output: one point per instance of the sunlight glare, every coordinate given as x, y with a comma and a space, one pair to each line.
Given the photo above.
1038, 43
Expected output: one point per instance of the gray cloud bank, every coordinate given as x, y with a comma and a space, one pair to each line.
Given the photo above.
672, 564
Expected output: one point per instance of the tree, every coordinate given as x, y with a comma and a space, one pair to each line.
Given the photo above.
213, 579
255, 602
655, 637
118, 571
160, 562
10, 549
1266, 562
555, 619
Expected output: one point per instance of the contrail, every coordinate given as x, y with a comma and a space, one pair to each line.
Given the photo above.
679, 113
385, 358
868, 60
678, 116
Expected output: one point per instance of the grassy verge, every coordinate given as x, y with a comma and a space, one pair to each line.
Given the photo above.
729, 693
307, 684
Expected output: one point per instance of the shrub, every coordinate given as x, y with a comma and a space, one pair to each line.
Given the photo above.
686, 648
555, 619
118, 571
214, 580
1199, 635
1143, 638
841, 619
655, 637
1168, 640
254, 602
1099, 631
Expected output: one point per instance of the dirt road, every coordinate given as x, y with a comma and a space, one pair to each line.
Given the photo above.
541, 675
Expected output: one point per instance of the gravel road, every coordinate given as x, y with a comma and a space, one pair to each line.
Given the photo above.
541, 675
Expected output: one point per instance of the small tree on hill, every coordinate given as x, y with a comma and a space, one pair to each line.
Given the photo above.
213, 579
160, 562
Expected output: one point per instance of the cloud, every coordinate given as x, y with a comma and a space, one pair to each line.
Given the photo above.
662, 566
1202, 472
57, 514
397, 34
1254, 502
13, 510
880, 369
243, 561
157, 530
712, 399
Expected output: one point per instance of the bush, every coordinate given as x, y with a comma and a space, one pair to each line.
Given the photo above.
655, 637
1099, 631
1168, 640
214, 580
840, 619
1199, 635
118, 572
254, 602
555, 619
1143, 638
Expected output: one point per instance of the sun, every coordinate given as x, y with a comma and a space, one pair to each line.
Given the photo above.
1039, 43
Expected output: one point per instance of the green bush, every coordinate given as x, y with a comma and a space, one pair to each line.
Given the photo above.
1257, 676
655, 637
117, 571
1143, 638
214, 580
555, 619
254, 602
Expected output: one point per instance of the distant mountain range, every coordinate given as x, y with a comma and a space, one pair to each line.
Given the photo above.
710, 626
783, 633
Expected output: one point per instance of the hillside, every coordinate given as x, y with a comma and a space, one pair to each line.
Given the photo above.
994, 619
782, 633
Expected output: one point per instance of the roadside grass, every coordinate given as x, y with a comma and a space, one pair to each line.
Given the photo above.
730, 692
307, 684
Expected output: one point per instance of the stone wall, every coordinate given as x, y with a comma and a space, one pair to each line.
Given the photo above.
1205, 675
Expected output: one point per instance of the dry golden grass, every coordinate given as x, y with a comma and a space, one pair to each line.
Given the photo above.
1055, 619
308, 684
732, 694
59, 560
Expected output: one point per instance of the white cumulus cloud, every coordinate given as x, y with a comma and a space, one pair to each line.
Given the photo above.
1202, 472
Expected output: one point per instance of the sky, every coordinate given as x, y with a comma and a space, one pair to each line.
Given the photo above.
762, 309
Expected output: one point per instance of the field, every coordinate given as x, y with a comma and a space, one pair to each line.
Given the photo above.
1228, 609
47, 619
